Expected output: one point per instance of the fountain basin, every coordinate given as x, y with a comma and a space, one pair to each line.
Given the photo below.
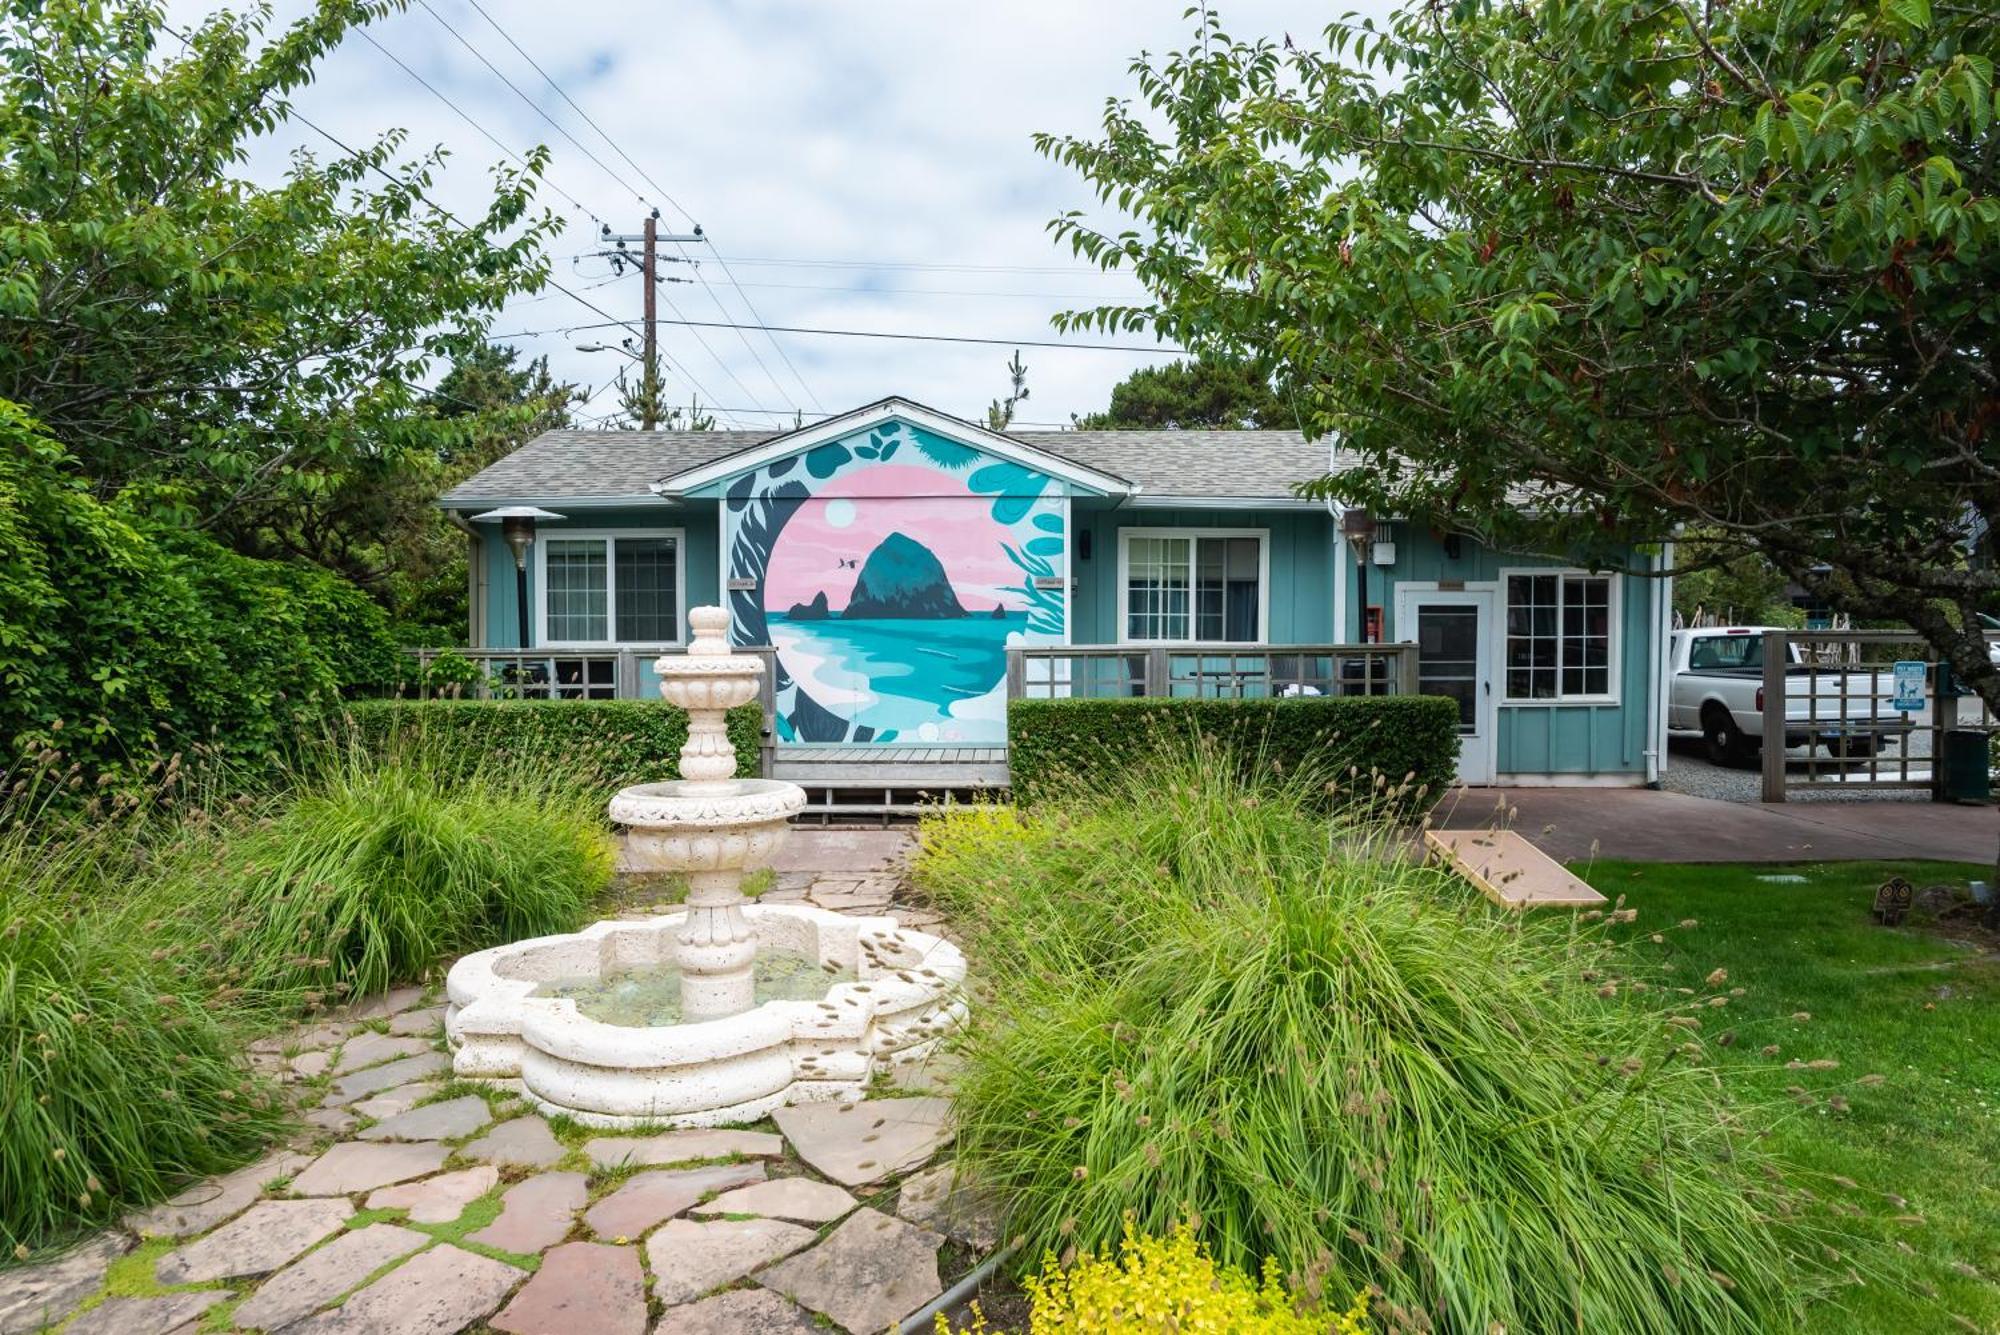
738, 1068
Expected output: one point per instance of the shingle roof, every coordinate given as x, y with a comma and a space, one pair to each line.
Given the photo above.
621, 465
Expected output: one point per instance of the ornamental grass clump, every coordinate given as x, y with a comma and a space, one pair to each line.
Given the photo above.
118, 1081
1197, 1001
373, 868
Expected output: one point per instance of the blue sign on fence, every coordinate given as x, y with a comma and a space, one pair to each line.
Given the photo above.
1908, 677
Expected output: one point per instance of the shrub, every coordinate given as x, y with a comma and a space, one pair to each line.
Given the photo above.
1200, 1001
117, 1079
1054, 746
599, 744
1165, 1286
376, 866
122, 641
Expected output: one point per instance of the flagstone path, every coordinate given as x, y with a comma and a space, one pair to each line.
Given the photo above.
415, 1205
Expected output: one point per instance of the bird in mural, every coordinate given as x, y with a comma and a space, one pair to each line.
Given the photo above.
848, 562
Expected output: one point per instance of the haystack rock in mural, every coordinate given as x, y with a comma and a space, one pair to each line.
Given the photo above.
893, 569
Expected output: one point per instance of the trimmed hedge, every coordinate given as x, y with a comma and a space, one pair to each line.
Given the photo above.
1053, 745
615, 741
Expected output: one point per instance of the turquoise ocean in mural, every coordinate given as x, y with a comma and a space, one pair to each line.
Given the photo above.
923, 681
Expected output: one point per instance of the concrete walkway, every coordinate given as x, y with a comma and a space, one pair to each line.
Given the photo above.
1644, 825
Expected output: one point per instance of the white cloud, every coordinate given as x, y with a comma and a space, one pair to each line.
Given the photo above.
891, 131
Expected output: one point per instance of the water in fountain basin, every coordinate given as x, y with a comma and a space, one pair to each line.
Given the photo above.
646, 998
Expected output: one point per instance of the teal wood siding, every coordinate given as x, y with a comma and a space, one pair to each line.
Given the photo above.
1301, 546
700, 553
1606, 739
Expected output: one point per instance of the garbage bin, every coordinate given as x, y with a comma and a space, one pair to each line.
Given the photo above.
1965, 766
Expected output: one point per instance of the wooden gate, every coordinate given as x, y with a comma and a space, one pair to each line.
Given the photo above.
1866, 709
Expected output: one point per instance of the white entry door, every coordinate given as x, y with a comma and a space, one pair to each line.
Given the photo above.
1453, 633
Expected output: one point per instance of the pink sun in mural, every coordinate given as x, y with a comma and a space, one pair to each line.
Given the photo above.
827, 543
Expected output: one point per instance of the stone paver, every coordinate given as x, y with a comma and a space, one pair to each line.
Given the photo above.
166, 1315
438, 1292
440, 1199
870, 1273
259, 1241
537, 1213
373, 1049
796, 1198
434, 1121
383, 1005
647, 1198
375, 1079
583, 1288
352, 1166
423, 1023
960, 1211
401, 1099
526, 1141
337, 1121
688, 1258
855, 1143
318, 1278
309, 1064
738, 1312
682, 1146
847, 894
37, 1295
206, 1204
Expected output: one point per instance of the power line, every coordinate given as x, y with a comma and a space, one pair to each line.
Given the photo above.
536, 107
646, 176
1164, 350
467, 117
1074, 269
610, 321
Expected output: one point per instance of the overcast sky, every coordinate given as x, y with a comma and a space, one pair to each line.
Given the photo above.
860, 164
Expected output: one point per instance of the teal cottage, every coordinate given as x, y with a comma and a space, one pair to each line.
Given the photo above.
906, 573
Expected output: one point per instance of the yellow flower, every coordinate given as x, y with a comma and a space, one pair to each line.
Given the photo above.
1169, 1284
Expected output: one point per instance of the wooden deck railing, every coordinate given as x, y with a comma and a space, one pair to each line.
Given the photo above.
611, 673
1209, 671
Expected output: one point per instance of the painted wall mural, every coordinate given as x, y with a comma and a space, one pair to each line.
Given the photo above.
893, 568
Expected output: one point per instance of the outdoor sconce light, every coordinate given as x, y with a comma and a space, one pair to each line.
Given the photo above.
1358, 527
517, 527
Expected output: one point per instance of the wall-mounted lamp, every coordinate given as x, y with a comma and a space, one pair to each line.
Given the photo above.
517, 527
1358, 527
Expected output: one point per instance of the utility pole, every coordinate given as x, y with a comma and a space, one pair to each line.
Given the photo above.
648, 264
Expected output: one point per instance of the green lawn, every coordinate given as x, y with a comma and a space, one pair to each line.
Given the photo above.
1909, 1004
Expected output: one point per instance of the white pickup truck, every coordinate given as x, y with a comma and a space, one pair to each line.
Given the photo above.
1717, 690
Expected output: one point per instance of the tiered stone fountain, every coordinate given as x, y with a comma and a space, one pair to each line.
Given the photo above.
724, 1010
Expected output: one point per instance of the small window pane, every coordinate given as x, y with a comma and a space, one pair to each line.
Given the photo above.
646, 579
1158, 578
577, 593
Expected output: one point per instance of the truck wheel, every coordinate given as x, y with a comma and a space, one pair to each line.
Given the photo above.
1725, 743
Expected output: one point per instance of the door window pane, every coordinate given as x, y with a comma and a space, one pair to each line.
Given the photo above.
1448, 659
577, 592
646, 576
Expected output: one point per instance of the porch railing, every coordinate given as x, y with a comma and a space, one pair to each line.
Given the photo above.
1210, 671
570, 674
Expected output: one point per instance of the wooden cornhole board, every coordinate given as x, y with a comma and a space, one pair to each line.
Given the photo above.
1510, 871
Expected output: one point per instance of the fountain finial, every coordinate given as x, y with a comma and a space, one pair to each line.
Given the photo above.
708, 681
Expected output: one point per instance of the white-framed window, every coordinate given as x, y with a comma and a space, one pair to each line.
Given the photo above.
620, 587
1562, 640
1193, 585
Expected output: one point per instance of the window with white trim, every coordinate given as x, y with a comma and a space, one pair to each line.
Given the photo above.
611, 589
1558, 637
1183, 587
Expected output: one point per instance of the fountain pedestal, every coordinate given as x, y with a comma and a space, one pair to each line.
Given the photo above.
728, 1058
